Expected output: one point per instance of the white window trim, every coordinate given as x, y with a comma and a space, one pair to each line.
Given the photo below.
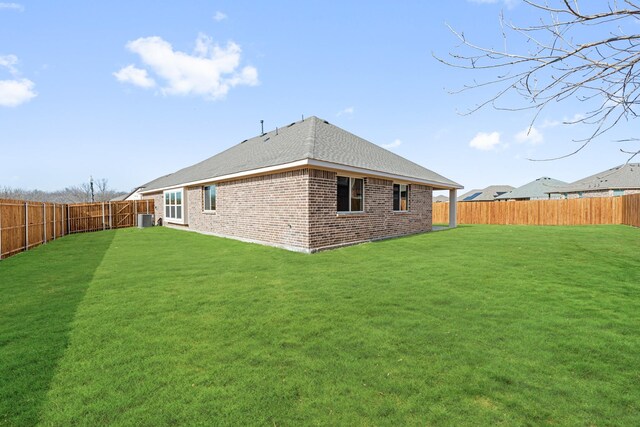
182, 205
350, 212
204, 198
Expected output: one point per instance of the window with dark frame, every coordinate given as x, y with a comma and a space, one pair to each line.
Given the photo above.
400, 197
210, 198
350, 194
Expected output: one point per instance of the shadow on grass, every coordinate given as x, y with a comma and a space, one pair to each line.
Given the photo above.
39, 293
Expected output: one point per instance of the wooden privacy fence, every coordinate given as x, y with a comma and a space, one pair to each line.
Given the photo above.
590, 211
24, 224
631, 210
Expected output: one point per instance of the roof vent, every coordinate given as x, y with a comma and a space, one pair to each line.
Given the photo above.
326, 122
291, 124
266, 139
244, 141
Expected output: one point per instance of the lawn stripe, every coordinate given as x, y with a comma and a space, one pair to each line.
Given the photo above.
40, 291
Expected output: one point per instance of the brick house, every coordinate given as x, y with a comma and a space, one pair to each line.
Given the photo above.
618, 181
306, 187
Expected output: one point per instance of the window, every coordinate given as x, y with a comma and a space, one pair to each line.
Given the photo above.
210, 198
173, 205
400, 197
618, 192
350, 194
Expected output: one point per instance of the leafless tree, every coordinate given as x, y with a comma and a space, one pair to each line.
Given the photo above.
571, 52
73, 194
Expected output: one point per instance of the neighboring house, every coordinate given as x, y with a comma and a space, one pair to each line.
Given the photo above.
488, 194
307, 186
133, 195
440, 199
535, 190
618, 181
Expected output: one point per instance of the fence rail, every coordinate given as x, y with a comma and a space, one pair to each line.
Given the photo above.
25, 224
591, 211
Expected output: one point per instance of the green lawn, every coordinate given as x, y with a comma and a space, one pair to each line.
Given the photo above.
480, 325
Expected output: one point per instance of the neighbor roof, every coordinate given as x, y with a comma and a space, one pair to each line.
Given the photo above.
485, 195
621, 177
440, 199
310, 139
537, 189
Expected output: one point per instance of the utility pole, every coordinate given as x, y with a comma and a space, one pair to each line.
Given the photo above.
93, 198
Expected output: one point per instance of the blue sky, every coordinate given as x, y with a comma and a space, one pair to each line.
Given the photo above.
130, 91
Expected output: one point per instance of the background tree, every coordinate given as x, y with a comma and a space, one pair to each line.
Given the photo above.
73, 194
571, 52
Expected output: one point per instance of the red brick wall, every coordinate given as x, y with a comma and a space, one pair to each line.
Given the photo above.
327, 228
269, 208
297, 210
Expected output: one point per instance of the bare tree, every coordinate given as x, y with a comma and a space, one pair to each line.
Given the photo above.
73, 194
102, 189
570, 52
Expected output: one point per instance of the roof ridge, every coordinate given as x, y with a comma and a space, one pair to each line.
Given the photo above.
313, 137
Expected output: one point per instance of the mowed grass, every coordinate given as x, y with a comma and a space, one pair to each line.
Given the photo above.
480, 325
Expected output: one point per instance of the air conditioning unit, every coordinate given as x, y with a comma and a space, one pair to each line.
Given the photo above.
145, 220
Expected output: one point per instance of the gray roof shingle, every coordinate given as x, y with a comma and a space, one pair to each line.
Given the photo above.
621, 177
311, 138
537, 189
485, 195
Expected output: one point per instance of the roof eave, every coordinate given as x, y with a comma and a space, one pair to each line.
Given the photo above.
310, 162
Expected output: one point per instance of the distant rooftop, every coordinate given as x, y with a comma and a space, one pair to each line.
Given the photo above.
621, 177
534, 190
485, 195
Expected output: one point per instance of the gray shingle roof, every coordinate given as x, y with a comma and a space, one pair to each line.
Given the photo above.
621, 177
440, 199
485, 195
537, 189
311, 138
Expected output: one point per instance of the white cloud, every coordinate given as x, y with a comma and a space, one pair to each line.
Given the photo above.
12, 6
394, 144
8, 62
220, 16
17, 90
530, 135
346, 112
210, 71
575, 119
135, 76
485, 141
547, 123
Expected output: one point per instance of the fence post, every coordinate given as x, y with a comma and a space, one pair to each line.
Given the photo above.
148, 206
110, 217
54, 221
135, 213
0, 230
103, 224
44, 222
26, 226
68, 221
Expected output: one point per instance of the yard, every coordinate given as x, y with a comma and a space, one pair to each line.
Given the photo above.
473, 326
